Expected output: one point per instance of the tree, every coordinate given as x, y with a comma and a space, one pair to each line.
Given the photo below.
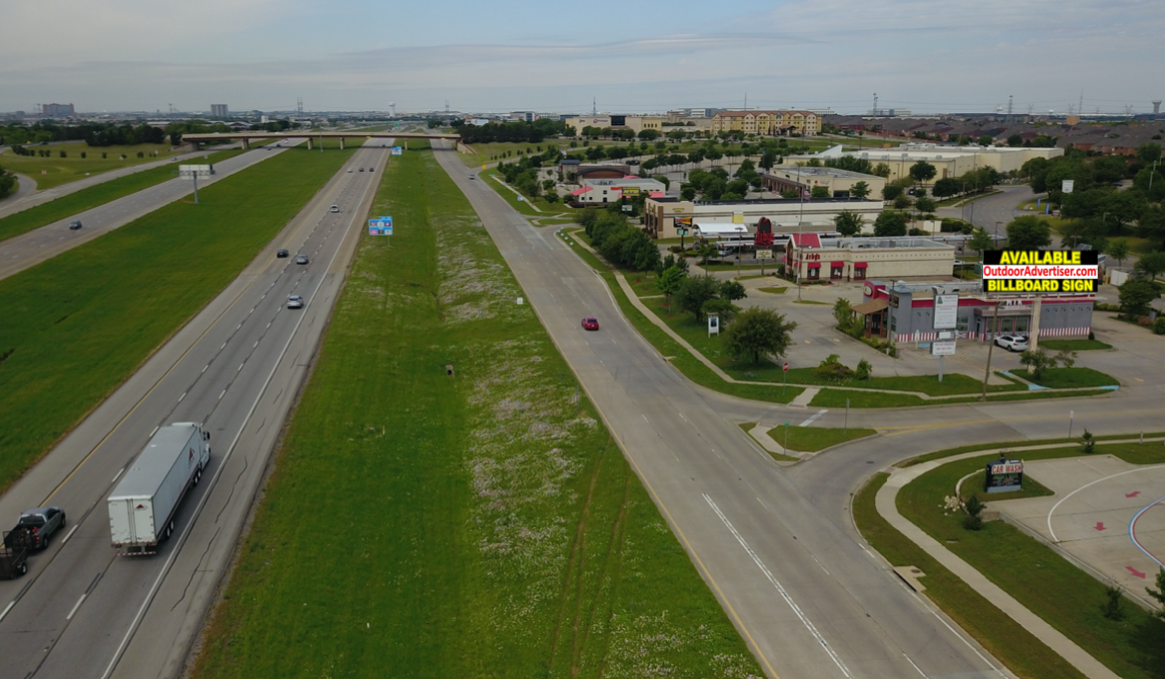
986, 140
756, 332
1135, 296
902, 202
925, 204
732, 291
1151, 264
819, 192
1159, 593
723, 308
1118, 249
1152, 225
1038, 360
890, 192
922, 172
890, 223
648, 135
980, 241
1015, 140
1028, 233
860, 190
847, 223
694, 291
706, 251
1149, 153
669, 281
946, 187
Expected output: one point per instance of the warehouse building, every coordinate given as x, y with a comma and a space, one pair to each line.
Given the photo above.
600, 191
948, 161
805, 179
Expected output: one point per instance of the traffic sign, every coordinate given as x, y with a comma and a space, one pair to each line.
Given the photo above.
786, 367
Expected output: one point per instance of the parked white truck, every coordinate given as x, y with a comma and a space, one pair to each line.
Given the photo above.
143, 505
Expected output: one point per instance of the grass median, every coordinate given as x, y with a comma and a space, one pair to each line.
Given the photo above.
94, 196
1004, 638
80, 323
1063, 595
478, 524
55, 170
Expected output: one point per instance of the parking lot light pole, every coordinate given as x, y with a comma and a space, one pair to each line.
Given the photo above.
990, 346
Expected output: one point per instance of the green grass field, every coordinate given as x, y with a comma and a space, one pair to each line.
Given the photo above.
1065, 596
1004, 638
500, 531
1071, 378
58, 170
86, 199
80, 323
814, 439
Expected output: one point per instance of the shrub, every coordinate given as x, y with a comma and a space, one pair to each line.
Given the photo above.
1158, 326
833, 370
1091, 335
1087, 442
1111, 608
1144, 321
864, 369
974, 508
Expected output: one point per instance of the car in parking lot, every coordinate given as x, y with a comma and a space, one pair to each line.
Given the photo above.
35, 527
301, 259
74, 225
294, 302
590, 323
1012, 342
281, 252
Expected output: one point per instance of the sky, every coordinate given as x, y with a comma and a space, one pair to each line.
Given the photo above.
624, 56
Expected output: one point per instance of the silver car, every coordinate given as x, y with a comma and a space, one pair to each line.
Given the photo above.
294, 302
301, 259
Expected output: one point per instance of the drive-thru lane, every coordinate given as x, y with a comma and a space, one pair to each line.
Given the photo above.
38, 245
84, 612
807, 596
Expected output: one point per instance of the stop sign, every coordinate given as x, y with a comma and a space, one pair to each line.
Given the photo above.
786, 367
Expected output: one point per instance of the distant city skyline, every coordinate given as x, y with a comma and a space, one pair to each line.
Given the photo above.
644, 56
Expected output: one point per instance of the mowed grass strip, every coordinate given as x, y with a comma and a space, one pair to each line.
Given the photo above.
58, 170
1007, 640
79, 324
94, 196
471, 525
1047, 584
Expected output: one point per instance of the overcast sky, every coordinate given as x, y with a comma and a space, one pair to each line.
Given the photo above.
630, 55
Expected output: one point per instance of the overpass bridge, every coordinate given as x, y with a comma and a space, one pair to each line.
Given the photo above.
245, 137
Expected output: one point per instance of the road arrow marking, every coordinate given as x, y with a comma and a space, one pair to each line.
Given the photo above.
1133, 494
1099, 525
1135, 572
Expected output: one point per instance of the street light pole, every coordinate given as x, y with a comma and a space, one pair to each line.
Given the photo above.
990, 346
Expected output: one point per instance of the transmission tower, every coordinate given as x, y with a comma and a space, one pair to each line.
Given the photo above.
594, 107
299, 106
874, 111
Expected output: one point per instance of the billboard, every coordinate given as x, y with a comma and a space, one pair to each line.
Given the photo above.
1041, 271
199, 170
946, 312
1004, 476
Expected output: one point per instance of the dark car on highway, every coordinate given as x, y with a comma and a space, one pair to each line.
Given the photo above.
282, 253
73, 226
36, 527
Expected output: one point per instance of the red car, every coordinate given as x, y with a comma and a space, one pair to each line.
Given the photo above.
590, 324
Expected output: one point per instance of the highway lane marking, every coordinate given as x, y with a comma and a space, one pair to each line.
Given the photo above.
7, 608
117, 475
155, 431
240, 366
76, 606
70, 533
223, 393
204, 368
182, 396
914, 666
814, 418
255, 344
181, 541
780, 589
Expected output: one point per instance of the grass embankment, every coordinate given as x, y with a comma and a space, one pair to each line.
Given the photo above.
814, 439
1074, 345
673, 351
80, 323
536, 208
58, 170
1051, 587
94, 196
1003, 638
1071, 378
498, 530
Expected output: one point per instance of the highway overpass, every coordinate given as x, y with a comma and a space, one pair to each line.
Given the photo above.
246, 137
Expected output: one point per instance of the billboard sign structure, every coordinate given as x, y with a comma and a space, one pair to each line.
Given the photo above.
380, 226
1041, 271
195, 170
1004, 476
946, 312
396, 151
630, 191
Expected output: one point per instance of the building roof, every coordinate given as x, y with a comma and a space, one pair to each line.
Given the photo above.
719, 228
872, 306
806, 240
581, 190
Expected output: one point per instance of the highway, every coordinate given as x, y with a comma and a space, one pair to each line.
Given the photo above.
809, 598
84, 612
38, 245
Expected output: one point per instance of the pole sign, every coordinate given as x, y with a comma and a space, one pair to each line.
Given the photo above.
395, 151
1067, 185
942, 348
764, 254
380, 226
1004, 476
785, 367
946, 312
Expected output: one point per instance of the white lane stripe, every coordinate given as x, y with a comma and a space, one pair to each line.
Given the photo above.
75, 527
75, 607
6, 609
117, 475
182, 396
784, 595
155, 431
813, 419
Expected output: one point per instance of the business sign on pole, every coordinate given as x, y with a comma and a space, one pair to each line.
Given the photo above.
764, 254
630, 191
942, 348
381, 226
946, 312
685, 221
195, 170
1004, 476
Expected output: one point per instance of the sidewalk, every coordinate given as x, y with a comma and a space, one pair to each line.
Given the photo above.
886, 505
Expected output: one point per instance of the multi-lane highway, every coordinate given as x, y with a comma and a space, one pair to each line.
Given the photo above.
29, 249
82, 611
807, 596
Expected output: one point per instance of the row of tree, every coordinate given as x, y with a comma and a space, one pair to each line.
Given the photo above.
7, 183
522, 132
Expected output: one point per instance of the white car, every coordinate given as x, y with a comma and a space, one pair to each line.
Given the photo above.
294, 302
335, 208
1012, 342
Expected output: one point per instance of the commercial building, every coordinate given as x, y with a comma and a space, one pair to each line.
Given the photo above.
634, 123
904, 312
805, 179
767, 123
601, 191
662, 215
813, 258
948, 161
218, 111
57, 110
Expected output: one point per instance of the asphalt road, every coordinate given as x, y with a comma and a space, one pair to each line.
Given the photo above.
38, 245
807, 596
996, 211
82, 611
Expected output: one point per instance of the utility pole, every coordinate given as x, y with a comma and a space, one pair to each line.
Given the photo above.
990, 346
1009, 102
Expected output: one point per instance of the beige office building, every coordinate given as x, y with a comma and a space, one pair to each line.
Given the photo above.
634, 123
837, 182
663, 215
767, 123
948, 161
848, 259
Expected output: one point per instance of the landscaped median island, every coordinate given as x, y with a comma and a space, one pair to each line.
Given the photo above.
94, 196
1063, 595
470, 515
76, 326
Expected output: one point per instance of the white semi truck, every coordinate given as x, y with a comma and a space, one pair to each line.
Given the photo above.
143, 505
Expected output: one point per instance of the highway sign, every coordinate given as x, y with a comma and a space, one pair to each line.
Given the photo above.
381, 226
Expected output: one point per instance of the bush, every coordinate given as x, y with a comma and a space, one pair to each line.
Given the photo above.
974, 508
1158, 326
1144, 321
864, 369
1111, 608
832, 370
1087, 442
